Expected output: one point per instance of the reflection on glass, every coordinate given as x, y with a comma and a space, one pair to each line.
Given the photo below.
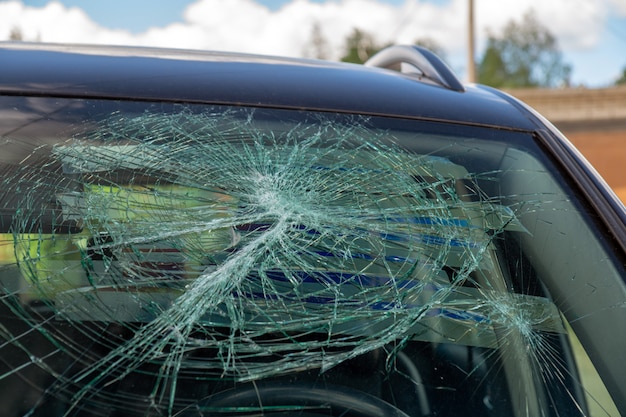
161, 262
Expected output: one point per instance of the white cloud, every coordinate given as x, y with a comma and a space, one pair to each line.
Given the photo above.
55, 23
246, 26
577, 24
619, 6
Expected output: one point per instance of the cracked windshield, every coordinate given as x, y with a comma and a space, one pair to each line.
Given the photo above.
183, 260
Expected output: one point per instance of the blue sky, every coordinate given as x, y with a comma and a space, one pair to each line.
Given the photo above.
591, 33
139, 15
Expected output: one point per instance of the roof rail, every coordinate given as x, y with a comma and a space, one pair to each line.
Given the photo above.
428, 64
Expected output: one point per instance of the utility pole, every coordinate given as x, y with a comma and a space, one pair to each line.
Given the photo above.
471, 63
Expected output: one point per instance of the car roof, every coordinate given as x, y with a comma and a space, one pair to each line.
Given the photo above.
160, 74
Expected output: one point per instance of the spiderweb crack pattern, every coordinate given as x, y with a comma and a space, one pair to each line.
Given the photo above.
275, 250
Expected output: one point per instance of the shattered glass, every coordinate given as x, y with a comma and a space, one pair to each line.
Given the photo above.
189, 260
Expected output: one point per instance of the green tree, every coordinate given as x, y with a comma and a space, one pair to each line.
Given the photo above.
622, 80
317, 46
16, 34
525, 55
360, 46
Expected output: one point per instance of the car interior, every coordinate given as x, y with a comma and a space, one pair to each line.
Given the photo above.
194, 260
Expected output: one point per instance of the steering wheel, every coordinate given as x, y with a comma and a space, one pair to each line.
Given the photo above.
303, 400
